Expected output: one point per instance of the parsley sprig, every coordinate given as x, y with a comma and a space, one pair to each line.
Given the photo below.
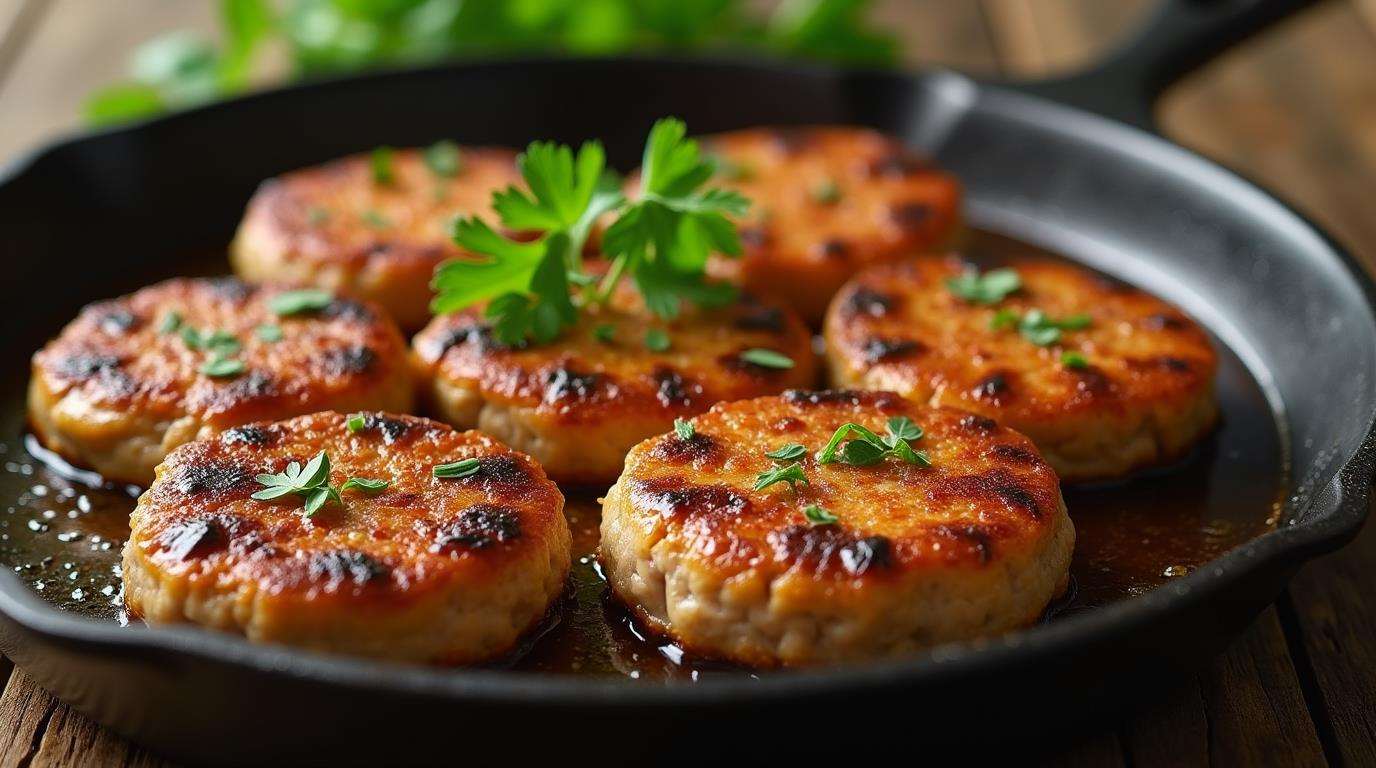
868, 448
311, 482
988, 288
661, 239
1038, 327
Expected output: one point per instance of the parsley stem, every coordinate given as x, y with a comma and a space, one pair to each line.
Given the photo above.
618, 268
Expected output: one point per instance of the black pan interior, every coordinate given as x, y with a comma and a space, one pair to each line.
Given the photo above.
104, 215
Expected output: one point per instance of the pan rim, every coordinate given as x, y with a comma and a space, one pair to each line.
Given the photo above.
1314, 531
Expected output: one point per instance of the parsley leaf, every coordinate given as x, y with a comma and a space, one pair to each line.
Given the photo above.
222, 367
817, 514
656, 340
1040, 329
170, 322
791, 474
766, 358
868, 448
304, 301
443, 159
311, 482
605, 333
461, 468
684, 429
988, 288
365, 484
381, 164
357, 422
1074, 360
269, 333
787, 452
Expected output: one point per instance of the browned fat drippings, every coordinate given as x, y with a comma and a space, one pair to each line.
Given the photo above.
63, 536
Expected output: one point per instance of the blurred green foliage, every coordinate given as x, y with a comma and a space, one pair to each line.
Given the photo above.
330, 36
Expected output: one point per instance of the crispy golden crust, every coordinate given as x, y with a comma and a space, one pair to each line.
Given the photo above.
802, 240
1145, 396
333, 226
408, 572
115, 375
580, 404
980, 540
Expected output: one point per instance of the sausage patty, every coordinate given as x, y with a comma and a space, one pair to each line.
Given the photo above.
854, 560
336, 226
132, 378
1105, 378
826, 202
450, 569
579, 405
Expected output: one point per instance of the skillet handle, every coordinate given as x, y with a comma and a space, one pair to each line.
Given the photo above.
1180, 36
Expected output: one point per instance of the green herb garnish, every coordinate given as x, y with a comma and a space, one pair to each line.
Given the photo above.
684, 429
656, 340
604, 333
375, 219
365, 484
269, 332
1044, 331
661, 240
868, 448
357, 422
300, 302
443, 159
170, 322
381, 163
222, 367
1074, 360
787, 452
311, 482
791, 474
988, 288
220, 342
827, 193
819, 515
462, 468
1002, 319
766, 358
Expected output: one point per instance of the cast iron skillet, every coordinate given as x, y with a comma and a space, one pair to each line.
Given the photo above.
97, 215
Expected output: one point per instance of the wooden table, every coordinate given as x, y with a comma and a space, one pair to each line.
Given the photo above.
1295, 110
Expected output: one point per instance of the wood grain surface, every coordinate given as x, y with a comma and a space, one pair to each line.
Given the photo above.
1294, 110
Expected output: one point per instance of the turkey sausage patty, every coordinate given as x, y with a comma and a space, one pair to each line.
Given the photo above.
445, 565
827, 202
578, 405
340, 226
855, 560
1104, 378
132, 378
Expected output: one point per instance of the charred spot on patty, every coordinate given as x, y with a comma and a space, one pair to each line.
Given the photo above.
1019, 497
351, 360
118, 321
84, 365
975, 537
478, 527
897, 165
975, 423
757, 317
564, 383
347, 310
997, 483
910, 216
680, 450
1091, 381
257, 385
208, 476
247, 435
199, 536
338, 566
1162, 321
833, 248
230, 288
433, 348
879, 350
863, 301
991, 388
672, 390
391, 429
880, 400
676, 497
501, 470
1015, 454
824, 548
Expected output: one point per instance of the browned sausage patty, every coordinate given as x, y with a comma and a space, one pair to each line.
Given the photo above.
975, 544
578, 405
451, 569
1133, 388
132, 378
828, 201
336, 227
